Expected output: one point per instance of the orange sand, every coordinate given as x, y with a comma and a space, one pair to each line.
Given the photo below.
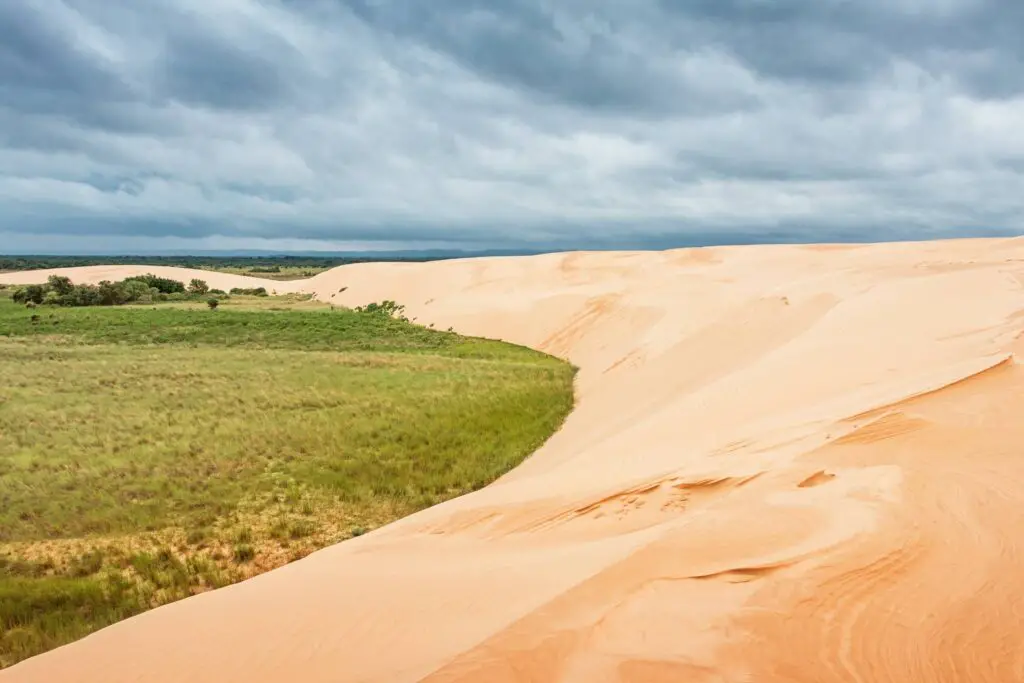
787, 464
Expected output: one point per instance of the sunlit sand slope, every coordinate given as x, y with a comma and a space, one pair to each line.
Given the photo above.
787, 463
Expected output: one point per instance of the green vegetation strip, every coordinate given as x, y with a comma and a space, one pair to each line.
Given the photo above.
149, 452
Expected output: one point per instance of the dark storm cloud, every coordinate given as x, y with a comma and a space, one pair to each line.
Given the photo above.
43, 74
527, 45
825, 42
547, 122
35, 58
836, 41
203, 69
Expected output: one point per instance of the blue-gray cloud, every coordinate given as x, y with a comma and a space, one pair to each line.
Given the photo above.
526, 122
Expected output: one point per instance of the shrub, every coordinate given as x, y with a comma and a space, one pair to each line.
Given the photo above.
33, 293
112, 293
60, 284
300, 529
163, 284
198, 287
250, 291
87, 564
82, 295
244, 553
135, 290
386, 308
212, 303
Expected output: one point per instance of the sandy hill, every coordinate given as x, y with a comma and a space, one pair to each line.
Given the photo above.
788, 463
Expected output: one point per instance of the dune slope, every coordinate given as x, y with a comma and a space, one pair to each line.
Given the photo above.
787, 463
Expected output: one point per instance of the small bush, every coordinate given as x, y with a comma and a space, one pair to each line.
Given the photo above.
386, 308
32, 293
60, 285
279, 530
198, 287
212, 303
135, 290
301, 529
249, 291
161, 284
112, 293
244, 553
88, 564
82, 295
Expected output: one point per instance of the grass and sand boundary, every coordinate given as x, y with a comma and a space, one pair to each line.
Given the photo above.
150, 452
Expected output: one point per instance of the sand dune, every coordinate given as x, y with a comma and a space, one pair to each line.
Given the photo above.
787, 463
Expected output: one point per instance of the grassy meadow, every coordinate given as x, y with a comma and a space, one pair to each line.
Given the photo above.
150, 452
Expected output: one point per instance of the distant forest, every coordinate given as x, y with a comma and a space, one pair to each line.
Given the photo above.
252, 264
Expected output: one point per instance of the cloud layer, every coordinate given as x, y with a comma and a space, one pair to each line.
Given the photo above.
563, 123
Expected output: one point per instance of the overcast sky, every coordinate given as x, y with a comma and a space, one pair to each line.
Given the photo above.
322, 124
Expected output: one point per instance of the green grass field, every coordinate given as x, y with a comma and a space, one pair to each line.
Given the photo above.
148, 453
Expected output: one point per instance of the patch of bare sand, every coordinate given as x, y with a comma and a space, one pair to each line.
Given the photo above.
786, 464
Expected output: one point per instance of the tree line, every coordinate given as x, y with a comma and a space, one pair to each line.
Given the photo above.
254, 264
60, 291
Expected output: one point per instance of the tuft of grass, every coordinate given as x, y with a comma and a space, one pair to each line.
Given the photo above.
244, 553
301, 529
150, 453
197, 536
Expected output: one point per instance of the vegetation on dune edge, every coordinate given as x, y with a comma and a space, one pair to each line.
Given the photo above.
58, 290
152, 452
